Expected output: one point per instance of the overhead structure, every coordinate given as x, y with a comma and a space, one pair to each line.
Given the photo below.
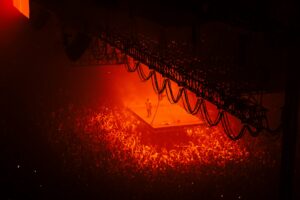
215, 55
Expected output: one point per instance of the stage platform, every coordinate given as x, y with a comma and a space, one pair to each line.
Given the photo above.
165, 116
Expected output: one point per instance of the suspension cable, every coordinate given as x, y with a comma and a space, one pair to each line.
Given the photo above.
170, 94
207, 117
199, 107
187, 104
142, 75
156, 86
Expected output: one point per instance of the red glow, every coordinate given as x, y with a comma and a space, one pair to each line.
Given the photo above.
22, 6
204, 147
161, 116
6, 9
115, 140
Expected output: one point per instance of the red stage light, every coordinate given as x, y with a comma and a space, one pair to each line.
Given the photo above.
22, 6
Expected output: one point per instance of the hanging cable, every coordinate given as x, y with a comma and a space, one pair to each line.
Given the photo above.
128, 67
207, 117
156, 86
187, 105
170, 94
228, 131
203, 116
199, 107
142, 75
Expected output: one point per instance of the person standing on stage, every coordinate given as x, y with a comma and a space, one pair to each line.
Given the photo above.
148, 107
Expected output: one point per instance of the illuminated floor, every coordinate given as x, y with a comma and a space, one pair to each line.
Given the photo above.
164, 114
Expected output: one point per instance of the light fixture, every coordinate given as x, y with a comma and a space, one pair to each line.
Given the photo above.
22, 6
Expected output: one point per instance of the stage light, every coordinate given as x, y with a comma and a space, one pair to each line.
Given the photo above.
22, 6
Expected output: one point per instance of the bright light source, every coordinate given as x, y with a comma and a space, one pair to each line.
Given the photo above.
22, 6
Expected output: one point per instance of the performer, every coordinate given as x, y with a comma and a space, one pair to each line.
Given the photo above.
148, 107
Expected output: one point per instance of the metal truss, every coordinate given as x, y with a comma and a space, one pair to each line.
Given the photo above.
99, 53
190, 73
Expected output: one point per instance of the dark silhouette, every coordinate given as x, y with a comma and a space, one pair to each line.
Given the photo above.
148, 107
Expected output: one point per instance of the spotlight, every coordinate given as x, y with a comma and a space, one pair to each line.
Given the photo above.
22, 6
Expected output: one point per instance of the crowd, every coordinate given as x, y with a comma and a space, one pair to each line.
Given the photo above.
109, 140
117, 131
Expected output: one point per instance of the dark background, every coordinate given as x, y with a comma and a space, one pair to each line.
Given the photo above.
37, 78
